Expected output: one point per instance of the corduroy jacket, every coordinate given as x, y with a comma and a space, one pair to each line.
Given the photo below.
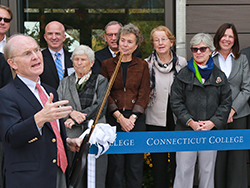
135, 95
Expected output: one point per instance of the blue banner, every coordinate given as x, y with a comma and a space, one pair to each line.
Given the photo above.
172, 141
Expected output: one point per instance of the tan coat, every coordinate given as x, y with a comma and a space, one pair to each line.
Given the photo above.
157, 113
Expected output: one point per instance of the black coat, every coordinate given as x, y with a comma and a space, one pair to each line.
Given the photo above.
5, 72
209, 101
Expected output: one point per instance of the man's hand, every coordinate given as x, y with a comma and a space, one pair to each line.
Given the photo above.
52, 111
79, 117
74, 144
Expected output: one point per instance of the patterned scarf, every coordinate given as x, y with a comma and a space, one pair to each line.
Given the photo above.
80, 82
152, 60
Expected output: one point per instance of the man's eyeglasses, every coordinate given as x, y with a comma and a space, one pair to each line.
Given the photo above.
202, 49
6, 20
110, 35
29, 53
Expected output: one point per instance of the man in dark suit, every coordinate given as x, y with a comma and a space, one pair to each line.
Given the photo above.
55, 36
111, 30
31, 129
5, 75
5, 71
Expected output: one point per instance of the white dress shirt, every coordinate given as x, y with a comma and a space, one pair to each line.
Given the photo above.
2, 44
112, 52
61, 57
225, 65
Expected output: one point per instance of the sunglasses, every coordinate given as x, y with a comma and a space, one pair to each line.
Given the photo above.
202, 49
6, 20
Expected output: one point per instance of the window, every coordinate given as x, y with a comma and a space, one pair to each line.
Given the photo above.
84, 20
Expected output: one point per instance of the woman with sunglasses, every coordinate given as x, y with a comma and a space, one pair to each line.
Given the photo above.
231, 166
201, 100
163, 64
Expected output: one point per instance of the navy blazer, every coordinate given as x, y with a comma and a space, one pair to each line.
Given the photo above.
100, 56
30, 158
104, 54
50, 75
5, 71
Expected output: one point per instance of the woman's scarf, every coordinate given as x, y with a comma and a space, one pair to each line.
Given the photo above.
80, 82
152, 60
201, 72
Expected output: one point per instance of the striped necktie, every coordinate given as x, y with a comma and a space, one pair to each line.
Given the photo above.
59, 66
62, 161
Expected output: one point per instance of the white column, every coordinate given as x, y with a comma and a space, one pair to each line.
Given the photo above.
181, 28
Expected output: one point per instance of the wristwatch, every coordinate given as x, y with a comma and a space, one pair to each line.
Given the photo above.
134, 116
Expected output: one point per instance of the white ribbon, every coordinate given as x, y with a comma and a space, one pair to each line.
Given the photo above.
102, 135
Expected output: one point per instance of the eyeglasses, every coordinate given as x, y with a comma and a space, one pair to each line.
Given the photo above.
157, 40
29, 53
202, 49
110, 35
6, 20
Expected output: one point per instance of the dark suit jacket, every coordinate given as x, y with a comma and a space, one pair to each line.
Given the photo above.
104, 54
246, 51
50, 75
29, 157
5, 71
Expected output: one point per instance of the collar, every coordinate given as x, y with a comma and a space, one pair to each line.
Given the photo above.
164, 64
61, 52
218, 53
4, 39
84, 78
30, 83
112, 52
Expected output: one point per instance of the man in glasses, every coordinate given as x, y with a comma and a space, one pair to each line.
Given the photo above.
32, 131
111, 30
5, 18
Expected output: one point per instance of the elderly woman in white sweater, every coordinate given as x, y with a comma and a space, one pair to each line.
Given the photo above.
164, 64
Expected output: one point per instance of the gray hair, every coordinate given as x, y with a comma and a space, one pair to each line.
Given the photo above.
112, 23
83, 49
131, 28
206, 38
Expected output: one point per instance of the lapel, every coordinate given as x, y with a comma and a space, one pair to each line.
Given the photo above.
235, 66
106, 53
73, 91
49, 61
25, 92
67, 61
